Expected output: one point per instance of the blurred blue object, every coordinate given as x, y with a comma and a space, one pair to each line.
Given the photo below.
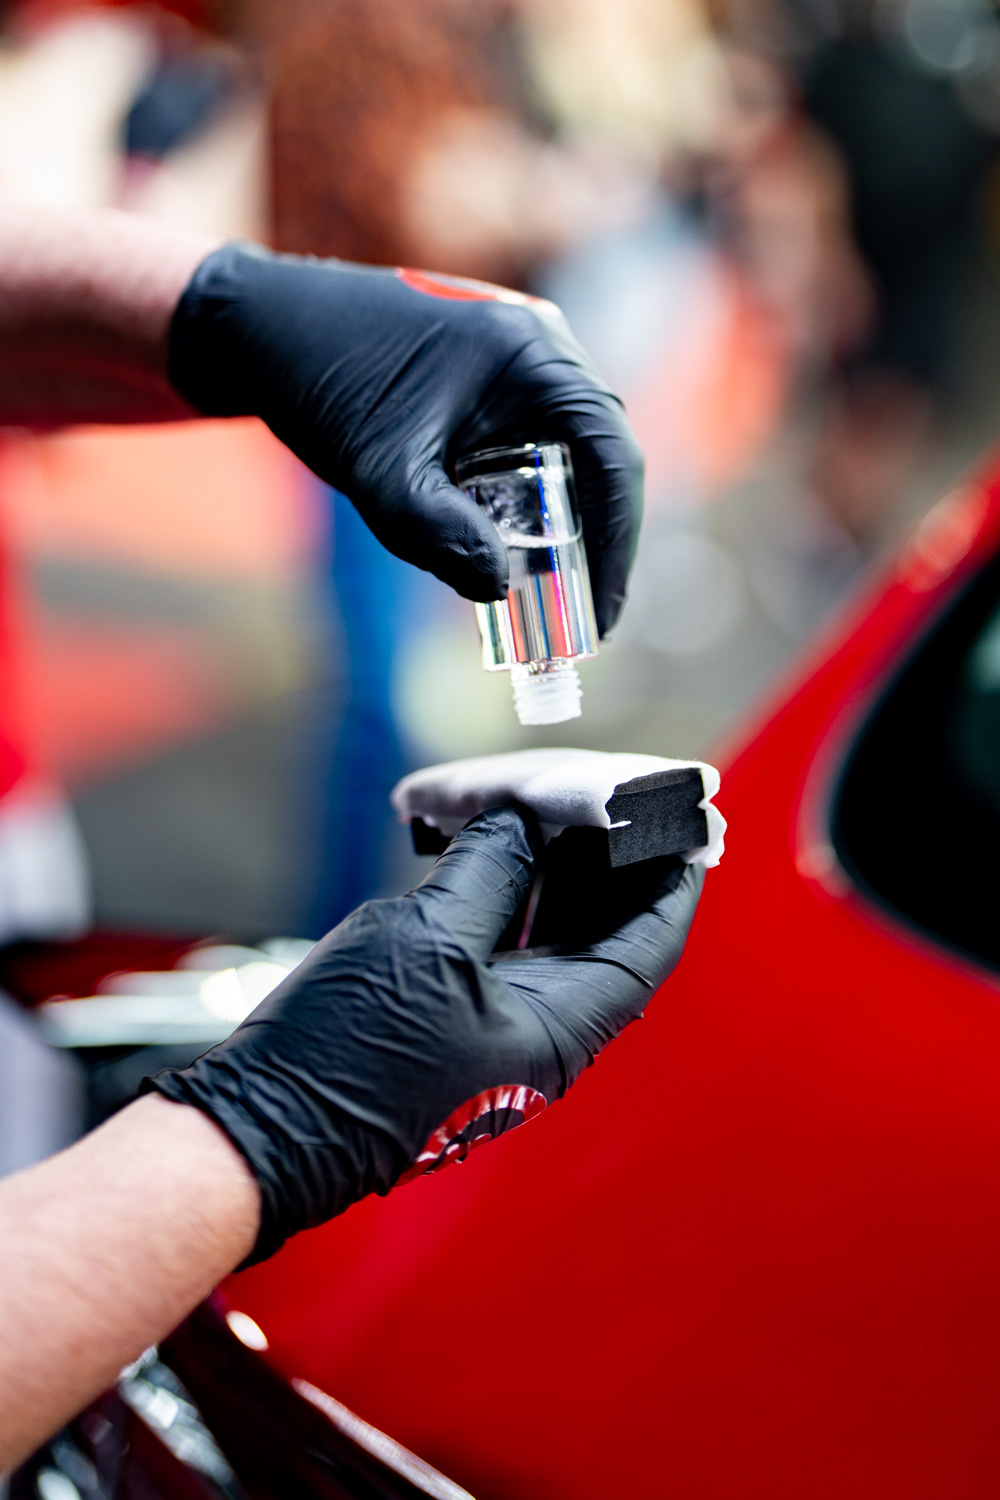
180, 98
354, 751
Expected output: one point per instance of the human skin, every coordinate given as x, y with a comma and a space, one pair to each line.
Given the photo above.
85, 306
106, 1247
109, 1244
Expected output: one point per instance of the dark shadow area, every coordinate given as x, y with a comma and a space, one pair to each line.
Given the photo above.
916, 818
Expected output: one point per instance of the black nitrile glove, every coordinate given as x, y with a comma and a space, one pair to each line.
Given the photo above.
380, 379
396, 1046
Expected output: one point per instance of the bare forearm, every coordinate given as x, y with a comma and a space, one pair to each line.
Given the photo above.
105, 1248
85, 307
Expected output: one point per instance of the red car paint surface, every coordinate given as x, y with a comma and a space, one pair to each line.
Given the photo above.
756, 1251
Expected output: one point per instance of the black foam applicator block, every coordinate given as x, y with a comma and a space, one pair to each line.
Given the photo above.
651, 816
427, 840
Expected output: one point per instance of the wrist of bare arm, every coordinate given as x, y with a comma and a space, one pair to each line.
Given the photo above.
86, 301
107, 1246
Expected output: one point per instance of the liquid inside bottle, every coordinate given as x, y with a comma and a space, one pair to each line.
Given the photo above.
546, 623
548, 614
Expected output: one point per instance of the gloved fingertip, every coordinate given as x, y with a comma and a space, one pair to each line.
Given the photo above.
464, 549
607, 613
479, 571
514, 824
480, 880
609, 600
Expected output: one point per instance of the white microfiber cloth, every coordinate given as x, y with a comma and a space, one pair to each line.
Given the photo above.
563, 788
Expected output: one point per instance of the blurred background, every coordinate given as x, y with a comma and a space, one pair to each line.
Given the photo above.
774, 225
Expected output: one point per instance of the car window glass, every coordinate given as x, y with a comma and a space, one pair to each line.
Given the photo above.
916, 817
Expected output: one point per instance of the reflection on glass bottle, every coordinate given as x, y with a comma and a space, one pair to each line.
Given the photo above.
547, 620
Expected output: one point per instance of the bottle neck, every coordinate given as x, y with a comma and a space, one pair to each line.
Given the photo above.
546, 692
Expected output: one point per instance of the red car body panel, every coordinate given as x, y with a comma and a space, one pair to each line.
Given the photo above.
756, 1251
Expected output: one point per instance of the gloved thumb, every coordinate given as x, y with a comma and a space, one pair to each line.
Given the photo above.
481, 879
426, 521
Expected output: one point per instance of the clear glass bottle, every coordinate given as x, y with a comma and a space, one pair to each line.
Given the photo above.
546, 623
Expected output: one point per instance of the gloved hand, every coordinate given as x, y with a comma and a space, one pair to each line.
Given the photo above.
380, 379
397, 1046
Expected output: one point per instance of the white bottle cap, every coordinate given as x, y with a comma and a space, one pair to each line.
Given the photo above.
546, 693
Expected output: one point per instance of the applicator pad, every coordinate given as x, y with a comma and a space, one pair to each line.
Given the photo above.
648, 806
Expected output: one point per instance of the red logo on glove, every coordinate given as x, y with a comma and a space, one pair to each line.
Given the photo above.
474, 1123
460, 288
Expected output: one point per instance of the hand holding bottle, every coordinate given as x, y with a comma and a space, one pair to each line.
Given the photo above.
380, 379
397, 1047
